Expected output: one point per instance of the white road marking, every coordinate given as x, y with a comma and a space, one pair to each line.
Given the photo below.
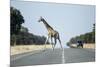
63, 57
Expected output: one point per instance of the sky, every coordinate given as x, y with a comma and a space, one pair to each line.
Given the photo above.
69, 20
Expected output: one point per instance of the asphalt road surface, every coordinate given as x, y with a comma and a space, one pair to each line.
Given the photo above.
58, 56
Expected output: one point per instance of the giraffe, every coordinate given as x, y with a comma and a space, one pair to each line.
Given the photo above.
51, 33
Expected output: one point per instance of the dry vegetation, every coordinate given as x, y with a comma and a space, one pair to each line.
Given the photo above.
89, 46
27, 48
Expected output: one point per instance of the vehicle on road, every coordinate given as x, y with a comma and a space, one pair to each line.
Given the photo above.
79, 44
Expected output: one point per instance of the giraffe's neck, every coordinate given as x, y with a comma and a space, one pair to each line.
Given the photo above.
47, 25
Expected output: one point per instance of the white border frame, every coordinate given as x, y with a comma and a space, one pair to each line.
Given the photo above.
5, 32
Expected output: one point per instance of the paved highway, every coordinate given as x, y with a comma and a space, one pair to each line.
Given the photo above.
58, 56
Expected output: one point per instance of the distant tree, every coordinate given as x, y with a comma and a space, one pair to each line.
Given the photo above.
94, 27
72, 40
86, 38
16, 19
24, 29
68, 43
93, 34
26, 38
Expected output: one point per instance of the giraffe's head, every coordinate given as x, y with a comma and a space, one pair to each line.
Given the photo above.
41, 19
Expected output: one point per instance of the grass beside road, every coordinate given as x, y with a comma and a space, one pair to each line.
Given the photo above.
27, 48
86, 45
89, 46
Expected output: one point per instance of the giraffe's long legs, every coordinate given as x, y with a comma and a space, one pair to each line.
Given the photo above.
52, 43
60, 42
55, 42
46, 42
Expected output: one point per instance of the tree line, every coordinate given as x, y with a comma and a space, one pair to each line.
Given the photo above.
85, 38
26, 38
19, 35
